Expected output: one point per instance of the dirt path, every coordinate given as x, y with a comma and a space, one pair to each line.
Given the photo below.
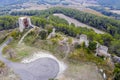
67, 51
21, 40
77, 23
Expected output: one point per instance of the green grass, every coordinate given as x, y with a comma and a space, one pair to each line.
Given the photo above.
23, 53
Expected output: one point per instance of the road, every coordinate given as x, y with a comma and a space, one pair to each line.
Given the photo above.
41, 69
77, 23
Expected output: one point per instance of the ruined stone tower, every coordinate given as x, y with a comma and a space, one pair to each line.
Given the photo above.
24, 22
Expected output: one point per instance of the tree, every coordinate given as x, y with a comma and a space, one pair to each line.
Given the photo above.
117, 72
49, 28
107, 38
92, 45
72, 24
115, 47
83, 45
43, 34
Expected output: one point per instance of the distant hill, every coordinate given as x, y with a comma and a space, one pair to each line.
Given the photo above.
113, 4
53, 2
9, 2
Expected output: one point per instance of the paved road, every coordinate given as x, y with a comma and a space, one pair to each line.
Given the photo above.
77, 23
41, 69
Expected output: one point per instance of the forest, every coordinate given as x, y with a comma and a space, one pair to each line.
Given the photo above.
8, 22
106, 12
106, 24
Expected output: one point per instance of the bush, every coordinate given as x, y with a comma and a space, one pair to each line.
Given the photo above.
117, 72
15, 34
92, 45
77, 46
43, 34
2, 65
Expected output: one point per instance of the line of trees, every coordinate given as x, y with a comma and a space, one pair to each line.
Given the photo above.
106, 12
106, 24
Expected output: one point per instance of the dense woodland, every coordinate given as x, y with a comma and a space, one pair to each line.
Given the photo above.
46, 20
106, 12
6, 9
8, 22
